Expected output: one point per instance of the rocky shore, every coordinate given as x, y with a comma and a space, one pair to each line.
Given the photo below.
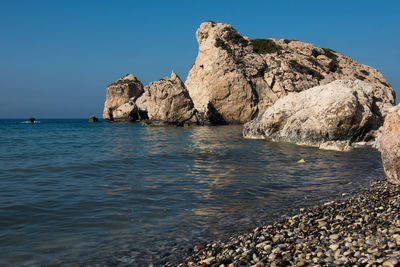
363, 230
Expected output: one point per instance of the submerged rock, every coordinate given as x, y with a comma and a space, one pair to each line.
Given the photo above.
234, 78
328, 116
389, 145
120, 92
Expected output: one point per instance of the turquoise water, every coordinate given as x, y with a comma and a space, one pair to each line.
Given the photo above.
74, 192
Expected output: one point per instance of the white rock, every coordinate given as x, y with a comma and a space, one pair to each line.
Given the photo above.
232, 83
328, 116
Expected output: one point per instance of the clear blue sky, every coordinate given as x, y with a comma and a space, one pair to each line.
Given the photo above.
57, 57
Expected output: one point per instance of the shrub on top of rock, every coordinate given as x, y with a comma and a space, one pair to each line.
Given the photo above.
265, 46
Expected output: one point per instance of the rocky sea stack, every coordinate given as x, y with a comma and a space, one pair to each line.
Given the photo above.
235, 80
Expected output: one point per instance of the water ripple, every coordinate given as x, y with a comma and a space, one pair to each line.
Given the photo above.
108, 194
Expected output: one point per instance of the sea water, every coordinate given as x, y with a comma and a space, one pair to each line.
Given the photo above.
73, 192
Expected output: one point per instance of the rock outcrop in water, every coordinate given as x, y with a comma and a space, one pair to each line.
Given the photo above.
390, 145
234, 78
164, 102
168, 101
120, 92
328, 116
93, 119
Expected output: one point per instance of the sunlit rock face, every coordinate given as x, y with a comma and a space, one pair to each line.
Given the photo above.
330, 116
120, 92
168, 101
389, 145
234, 79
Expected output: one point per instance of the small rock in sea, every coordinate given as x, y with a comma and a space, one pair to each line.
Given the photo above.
93, 119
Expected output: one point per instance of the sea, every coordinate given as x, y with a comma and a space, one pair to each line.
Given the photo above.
109, 194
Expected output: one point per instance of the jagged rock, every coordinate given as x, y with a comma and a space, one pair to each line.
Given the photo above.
341, 111
93, 119
120, 92
233, 78
389, 145
168, 101
126, 113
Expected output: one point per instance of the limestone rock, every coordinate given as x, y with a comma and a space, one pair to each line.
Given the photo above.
341, 111
126, 89
126, 113
234, 79
168, 101
389, 145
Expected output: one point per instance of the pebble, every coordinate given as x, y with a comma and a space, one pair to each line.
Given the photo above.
334, 247
334, 237
362, 230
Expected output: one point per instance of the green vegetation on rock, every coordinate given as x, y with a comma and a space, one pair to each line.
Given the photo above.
305, 70
236, 38
239, 61
366, 73
360, 77
221, 44
314, 62
334, 64
265, 46
385, 84
329, 53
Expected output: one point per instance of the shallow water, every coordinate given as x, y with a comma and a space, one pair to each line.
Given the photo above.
79, 192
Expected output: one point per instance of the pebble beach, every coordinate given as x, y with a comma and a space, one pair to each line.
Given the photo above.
361, 230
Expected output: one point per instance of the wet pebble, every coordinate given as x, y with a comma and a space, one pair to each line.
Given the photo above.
363, 230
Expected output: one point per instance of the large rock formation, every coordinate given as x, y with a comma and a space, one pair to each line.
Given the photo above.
120, 92
233, 78
168, 101
329, 116
389, 145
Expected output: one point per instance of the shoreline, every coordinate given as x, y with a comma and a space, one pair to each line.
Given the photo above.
362, 230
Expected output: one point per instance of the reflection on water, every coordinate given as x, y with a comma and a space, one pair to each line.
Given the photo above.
104, 193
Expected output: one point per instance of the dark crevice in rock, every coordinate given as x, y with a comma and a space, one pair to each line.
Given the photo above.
214, 116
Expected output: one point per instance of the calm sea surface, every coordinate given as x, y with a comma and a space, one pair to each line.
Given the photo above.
74, 192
